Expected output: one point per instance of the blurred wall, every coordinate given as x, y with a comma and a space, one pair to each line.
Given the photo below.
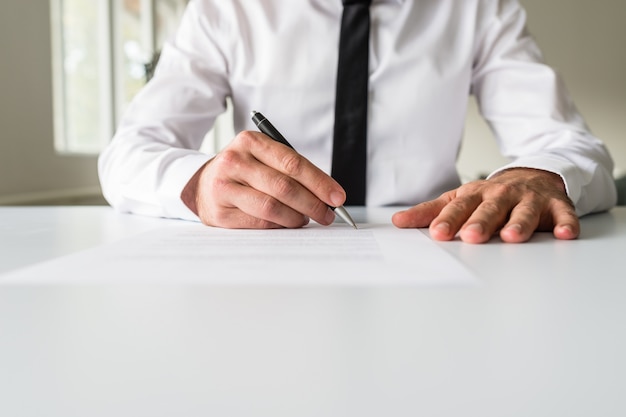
29, 167
582, 39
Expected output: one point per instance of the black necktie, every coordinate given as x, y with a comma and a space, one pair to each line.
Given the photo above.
350, 133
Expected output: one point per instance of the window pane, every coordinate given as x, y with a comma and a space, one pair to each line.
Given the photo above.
84, 80
132, 51
142, 26
101, 53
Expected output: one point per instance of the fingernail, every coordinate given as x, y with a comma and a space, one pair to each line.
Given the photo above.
443, 227
566, 228
330, 216
515, 228
337, 198
476, 228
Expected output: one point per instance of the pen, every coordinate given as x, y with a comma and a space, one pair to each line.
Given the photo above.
266, 127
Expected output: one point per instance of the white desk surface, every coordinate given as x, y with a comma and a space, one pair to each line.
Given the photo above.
545, 335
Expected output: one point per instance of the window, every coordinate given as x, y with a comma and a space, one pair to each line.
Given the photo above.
102, 50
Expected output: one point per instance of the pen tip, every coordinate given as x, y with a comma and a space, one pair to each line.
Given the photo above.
253, 112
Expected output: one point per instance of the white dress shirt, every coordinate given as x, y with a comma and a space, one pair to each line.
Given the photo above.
426, 56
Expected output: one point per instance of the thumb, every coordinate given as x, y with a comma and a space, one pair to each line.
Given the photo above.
420, 215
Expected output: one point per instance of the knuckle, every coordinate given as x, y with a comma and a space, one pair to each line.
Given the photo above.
503, 189
491, 207
292, 164
220, 186
244, 139
228, 158
460, 204
284, 187
447, 197
269, 208
468, 189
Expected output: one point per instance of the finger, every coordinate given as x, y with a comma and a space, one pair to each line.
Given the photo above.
284, 189
289, 162
233, 218
522, 223
485, 220
567, 224
453, 216
238, 206
420, 215
265, 208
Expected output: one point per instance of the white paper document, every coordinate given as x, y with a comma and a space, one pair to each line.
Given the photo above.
190, 253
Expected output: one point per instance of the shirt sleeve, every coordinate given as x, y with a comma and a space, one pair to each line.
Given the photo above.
155, 150
532, 115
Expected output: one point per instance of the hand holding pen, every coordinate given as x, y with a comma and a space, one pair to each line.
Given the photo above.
268, 128
258, 183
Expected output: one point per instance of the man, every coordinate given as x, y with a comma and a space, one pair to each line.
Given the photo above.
425, 57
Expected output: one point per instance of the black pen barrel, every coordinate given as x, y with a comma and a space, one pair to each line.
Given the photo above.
268, 128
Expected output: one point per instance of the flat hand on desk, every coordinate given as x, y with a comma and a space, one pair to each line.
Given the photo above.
258, 183
516, 202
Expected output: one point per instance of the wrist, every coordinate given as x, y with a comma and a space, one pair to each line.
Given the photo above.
189, 195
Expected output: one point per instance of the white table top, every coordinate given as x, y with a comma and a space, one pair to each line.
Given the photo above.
545, 334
